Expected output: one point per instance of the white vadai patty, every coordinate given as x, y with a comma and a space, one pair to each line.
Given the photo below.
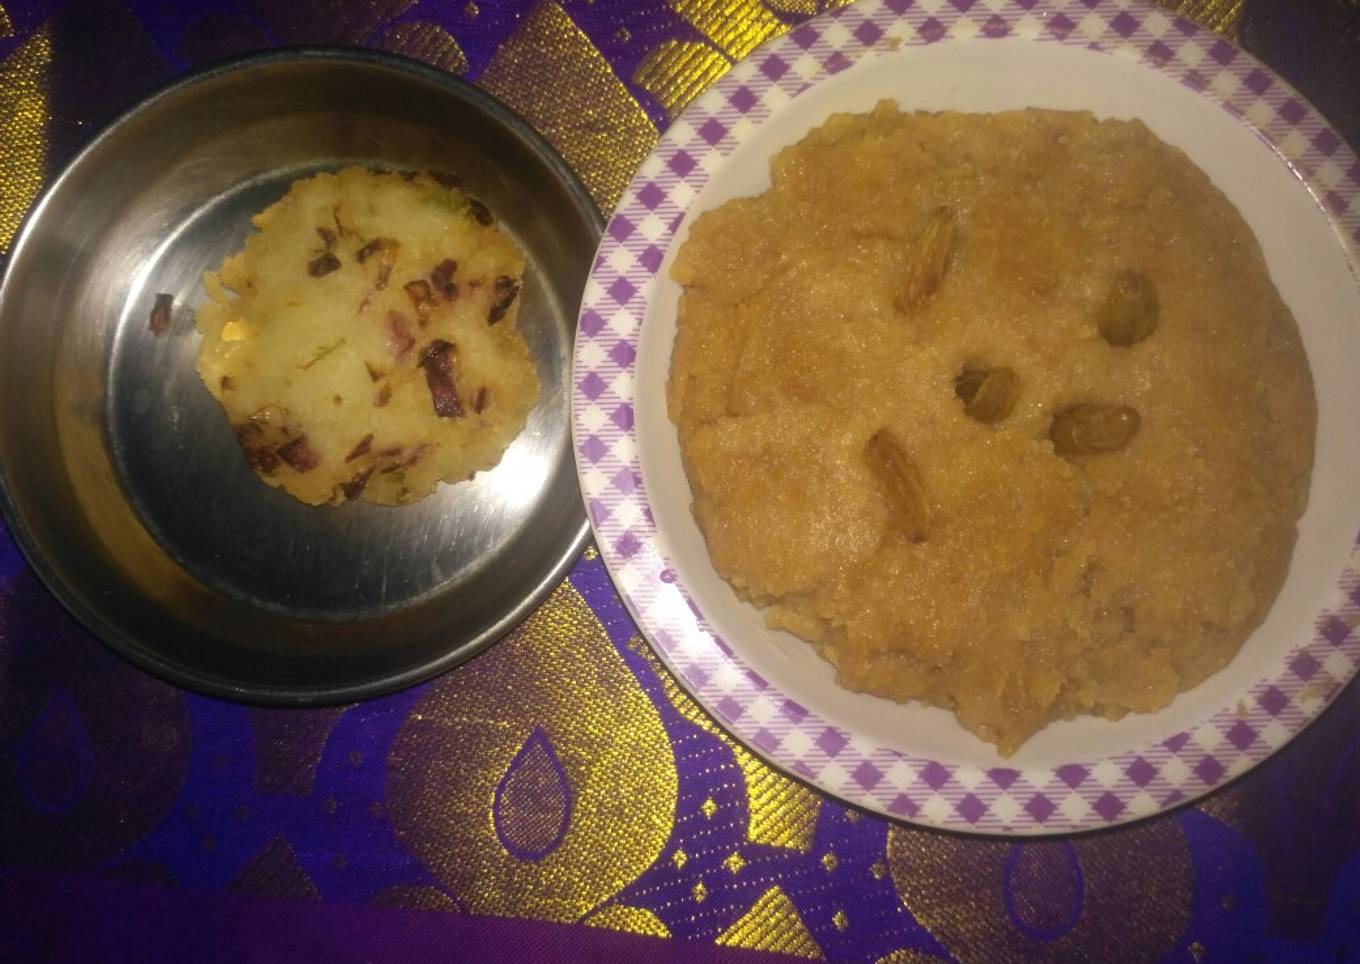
363, 343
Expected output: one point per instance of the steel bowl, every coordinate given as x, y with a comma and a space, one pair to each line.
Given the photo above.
119, 475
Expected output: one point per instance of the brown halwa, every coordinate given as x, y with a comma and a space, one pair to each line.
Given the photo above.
1001, 412
363, 343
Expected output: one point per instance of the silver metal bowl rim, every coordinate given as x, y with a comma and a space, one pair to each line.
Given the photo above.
173, 672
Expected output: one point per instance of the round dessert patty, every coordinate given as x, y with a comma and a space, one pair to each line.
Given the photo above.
363, 343
1001, 412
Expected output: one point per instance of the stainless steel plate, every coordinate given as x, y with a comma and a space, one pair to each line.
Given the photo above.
118, 472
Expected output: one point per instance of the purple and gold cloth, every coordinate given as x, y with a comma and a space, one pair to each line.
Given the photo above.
559, 798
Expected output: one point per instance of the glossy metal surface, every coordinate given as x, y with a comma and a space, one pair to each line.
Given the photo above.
121, 479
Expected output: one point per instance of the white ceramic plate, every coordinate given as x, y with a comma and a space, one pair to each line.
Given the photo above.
1292, 178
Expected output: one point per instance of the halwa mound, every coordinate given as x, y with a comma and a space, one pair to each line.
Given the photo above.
1000, 412
363, 343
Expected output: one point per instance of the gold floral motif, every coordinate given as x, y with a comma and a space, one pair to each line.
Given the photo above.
274, 871
550, 72
677, 71
772, 924
560, 676
415, 897
428, 42
797, 8
1137, 887
23, 128
782, 813
1218, 15
631, 920
736, 26
906, 956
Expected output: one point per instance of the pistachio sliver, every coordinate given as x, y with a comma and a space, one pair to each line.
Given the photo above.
1093, 428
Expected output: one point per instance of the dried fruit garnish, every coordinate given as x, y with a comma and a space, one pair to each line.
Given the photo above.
902, 484
480, 211
502, 298
370, 249
928, 261
1131, 310
322, 265
386, 248
299, 454
260, 455
988, 394
1093, 428
159, 322
327, 236
400, 341
422, 298
354, 486
384, 396
438, 361
446, 178
364, 444
442, 277
411, 457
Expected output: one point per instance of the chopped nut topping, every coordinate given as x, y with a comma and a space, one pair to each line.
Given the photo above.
354, 486
364, 444
442, 277
480, 211
422, 298
260, 456
323, 265
370, 249
505, 291
386, 260
299, 454
438, 360
159, 322
399, 338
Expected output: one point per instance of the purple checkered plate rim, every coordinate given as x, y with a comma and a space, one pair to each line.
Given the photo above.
1297, 184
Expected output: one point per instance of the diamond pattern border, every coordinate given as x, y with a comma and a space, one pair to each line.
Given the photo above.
1077, 796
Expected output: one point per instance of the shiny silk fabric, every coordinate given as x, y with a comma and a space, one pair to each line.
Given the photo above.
562, 777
